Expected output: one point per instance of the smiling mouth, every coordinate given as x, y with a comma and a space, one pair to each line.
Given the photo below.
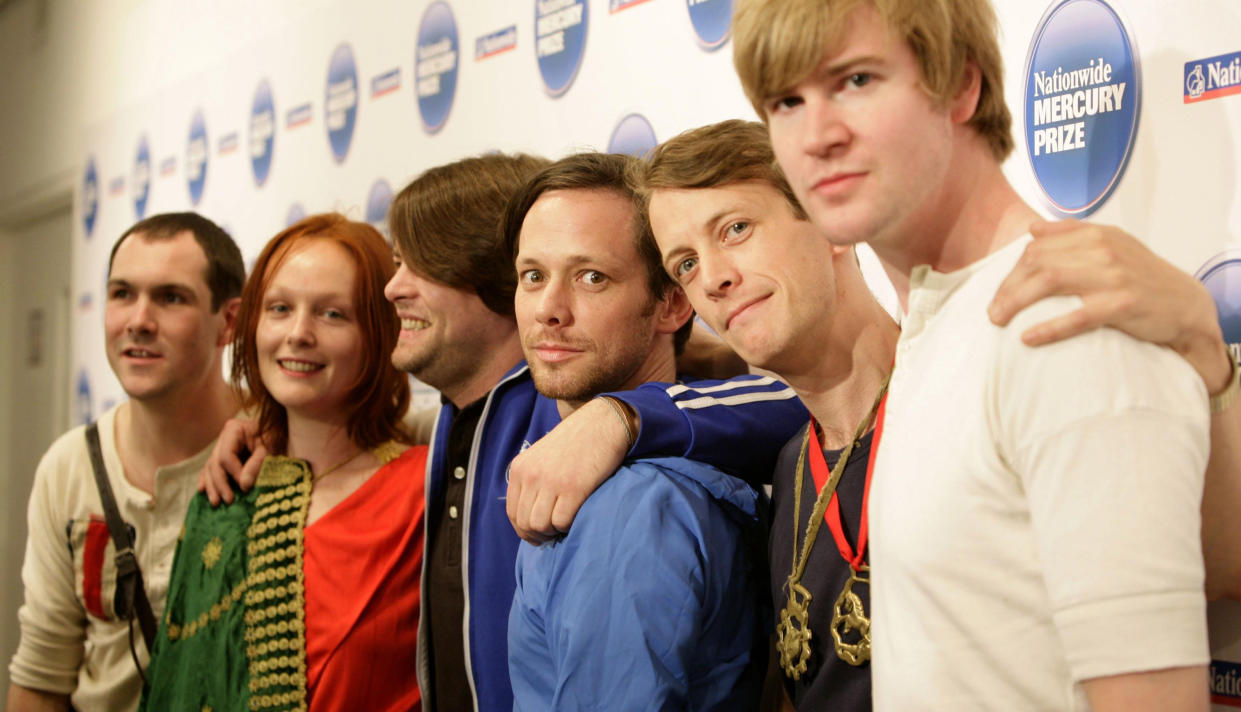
139, 353
414, 324
745, 308
299, 366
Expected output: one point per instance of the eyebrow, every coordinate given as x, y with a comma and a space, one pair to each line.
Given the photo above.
162, 287
843, 67
573, 260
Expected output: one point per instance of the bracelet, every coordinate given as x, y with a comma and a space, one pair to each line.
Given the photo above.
1223, 399
616, 407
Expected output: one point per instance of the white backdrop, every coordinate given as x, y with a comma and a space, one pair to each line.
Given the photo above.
1177, 188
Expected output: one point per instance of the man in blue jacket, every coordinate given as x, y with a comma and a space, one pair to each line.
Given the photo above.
652, 600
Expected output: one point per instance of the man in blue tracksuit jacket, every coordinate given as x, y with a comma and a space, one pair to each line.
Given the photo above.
453, 292
654, 598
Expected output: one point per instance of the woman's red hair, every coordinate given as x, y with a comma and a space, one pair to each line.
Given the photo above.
379, 398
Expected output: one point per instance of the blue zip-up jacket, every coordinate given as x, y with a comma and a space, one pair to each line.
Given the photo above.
738, 425
652, 601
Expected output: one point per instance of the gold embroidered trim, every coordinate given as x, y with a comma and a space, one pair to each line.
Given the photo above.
212, 551
275, 606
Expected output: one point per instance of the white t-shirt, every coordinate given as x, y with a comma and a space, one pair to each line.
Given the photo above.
71, 640
1035, 511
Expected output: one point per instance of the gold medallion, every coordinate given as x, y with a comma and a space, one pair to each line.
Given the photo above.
849, 615
793, 633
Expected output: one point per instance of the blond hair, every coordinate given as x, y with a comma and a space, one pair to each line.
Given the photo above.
777, 43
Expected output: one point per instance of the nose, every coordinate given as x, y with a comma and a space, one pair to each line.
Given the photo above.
718, 274
141, 317
553, 308
824, 131
301, 329
403, 284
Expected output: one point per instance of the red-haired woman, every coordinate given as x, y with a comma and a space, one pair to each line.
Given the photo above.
304, 592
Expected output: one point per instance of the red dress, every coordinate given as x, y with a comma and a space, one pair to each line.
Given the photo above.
362, 565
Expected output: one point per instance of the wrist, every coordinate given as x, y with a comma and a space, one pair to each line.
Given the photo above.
1213, 361
626, 416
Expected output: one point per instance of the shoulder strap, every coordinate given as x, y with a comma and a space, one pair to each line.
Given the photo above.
131, 594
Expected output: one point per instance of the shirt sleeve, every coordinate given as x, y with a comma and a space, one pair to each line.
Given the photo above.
738, 425
615, 616
53, 623
1109, 438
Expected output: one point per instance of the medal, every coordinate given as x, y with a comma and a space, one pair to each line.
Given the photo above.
849, 615
793, 633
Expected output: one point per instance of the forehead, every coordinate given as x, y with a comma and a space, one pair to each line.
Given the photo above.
142, 259
315, 264
676, 210
579, 223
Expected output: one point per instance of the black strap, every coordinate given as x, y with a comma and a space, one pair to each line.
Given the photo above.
131, 595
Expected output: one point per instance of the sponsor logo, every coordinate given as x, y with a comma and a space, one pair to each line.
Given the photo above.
298, 116
633, 135
116, 186
262, 132
495, 43
1222, 276
377, 202
340, 104
615, 6
1226, 681
1082, 102
295, 214
81, 402
712, 21
90, 198
196, 158
140, 180
435, 65
228, 143
1212, 78
386, 83
168, 166
559, 41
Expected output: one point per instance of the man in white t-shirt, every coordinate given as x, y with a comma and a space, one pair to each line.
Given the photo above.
1035, 513
174, 282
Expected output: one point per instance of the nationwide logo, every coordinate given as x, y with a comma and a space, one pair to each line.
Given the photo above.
1225, 683
712, 21
435, 65
140, 180
295, 214
386, 83
1222, 276
615, 6
82, 404
559, 41
298, 116
196, 158
377, 202
340, 104
228, 143
262, 132
90, 198
1082, 102
495, 43
634, 136
1212, 78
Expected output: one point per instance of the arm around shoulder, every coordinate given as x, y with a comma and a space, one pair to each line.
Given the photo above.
1182, 689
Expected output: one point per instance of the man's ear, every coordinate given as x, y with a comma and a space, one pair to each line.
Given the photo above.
228, 311
673, 311
965, 102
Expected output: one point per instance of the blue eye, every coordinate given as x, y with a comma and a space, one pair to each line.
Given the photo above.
684, 267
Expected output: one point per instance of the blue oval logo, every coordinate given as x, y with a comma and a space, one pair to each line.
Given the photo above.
82, 404
196, 158
1222, 276
1083, 96
90, 198
340, 105
262, 132
712, 21
140, 181
296, 214
634, 136
559, 41
435, 65
377, 202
